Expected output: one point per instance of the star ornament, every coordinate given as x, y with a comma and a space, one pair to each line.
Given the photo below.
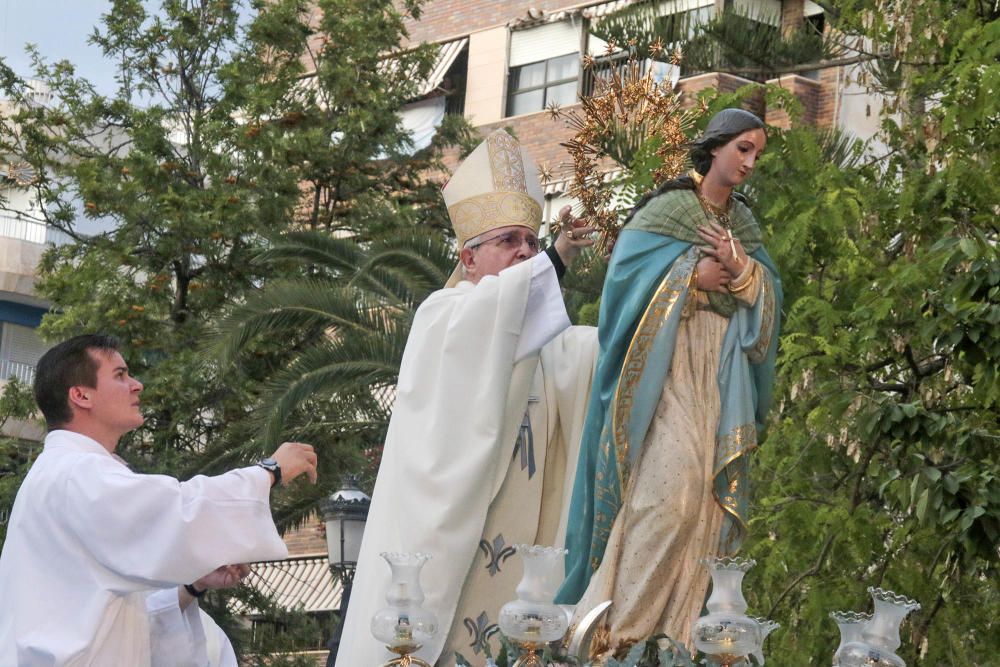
628, 109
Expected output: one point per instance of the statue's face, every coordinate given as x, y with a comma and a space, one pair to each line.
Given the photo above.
497, 250
733, 163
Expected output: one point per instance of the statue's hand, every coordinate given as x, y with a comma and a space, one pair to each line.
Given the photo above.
713, 276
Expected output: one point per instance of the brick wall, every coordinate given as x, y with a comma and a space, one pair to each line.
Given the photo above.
724, 83
806, 90
541, 135
309, 539
444, 19
827, 99
792, 15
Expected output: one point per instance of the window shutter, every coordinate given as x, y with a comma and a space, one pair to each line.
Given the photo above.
767, 10
21, 344
544, 42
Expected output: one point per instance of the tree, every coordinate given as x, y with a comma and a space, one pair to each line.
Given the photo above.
346, 316
16, 403
226, 130
879, 465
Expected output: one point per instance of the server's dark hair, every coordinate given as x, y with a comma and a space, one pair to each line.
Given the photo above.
68, 364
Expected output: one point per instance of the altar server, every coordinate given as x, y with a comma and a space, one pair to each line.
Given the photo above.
101, 565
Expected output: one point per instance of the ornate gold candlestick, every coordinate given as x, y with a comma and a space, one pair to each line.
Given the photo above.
405, 659
531, 658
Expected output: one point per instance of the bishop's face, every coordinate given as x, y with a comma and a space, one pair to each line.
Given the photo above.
498, 249
115, 399
734, 162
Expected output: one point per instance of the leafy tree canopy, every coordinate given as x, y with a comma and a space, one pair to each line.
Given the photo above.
232, 124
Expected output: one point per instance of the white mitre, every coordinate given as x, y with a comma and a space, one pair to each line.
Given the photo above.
496, 186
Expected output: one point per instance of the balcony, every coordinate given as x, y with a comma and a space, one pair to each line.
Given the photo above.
25, 373
13, 227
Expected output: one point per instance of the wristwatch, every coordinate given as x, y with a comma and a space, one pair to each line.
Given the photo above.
271, 466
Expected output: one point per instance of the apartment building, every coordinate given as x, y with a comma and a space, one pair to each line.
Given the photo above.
501, 63
23, 239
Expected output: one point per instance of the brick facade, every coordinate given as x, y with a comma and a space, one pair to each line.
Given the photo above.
792, 14
808, 93
309, 539
487, 24
542, 135
828, 97
441, 20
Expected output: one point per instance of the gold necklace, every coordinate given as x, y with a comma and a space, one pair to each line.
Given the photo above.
720, 214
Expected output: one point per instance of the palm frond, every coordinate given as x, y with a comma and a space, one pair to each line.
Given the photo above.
350, 367
345, 325
334, 255
411, 268
840, 148
293, 308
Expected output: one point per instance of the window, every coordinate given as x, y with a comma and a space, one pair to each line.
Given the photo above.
675, 22
20, 350
544, 66
535, 86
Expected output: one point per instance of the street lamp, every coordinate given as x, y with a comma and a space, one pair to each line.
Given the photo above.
345, 513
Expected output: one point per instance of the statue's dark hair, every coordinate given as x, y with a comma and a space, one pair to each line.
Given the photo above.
68, 364
723, 128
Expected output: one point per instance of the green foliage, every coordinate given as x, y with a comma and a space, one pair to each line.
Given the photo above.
343, 321
16, 404
277, 636
222, 135
879, 465
658, 651
745, 40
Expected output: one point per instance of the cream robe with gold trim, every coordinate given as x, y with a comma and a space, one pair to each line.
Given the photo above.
532, 506
463, 388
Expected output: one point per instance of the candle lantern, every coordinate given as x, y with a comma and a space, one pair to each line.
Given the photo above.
404, 626
533, 620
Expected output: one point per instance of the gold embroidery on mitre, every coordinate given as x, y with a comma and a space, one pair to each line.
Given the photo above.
480, 213
506, 163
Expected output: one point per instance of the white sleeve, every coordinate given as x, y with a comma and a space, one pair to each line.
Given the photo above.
545, 315
176, 636
152, 531
220, 649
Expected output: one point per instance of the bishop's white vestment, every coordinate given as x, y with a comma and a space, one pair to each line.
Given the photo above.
94, 553
486, 383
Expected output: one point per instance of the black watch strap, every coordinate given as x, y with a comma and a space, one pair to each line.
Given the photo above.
194, 591
272, 466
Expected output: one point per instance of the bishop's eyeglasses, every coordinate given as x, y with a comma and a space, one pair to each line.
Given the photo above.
511, 240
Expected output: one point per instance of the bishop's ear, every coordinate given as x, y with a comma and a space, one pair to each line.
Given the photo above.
466, 257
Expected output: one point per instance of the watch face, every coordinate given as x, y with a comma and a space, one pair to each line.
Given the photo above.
269, 463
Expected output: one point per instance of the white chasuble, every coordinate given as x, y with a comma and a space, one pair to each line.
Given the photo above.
94, 553
463, 389
533, 503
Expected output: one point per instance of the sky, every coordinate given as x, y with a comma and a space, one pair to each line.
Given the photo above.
59, 28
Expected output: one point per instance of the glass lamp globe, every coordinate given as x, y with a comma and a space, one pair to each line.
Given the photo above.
404, 625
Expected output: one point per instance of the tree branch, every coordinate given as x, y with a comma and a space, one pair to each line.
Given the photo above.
812, 571
805, 67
